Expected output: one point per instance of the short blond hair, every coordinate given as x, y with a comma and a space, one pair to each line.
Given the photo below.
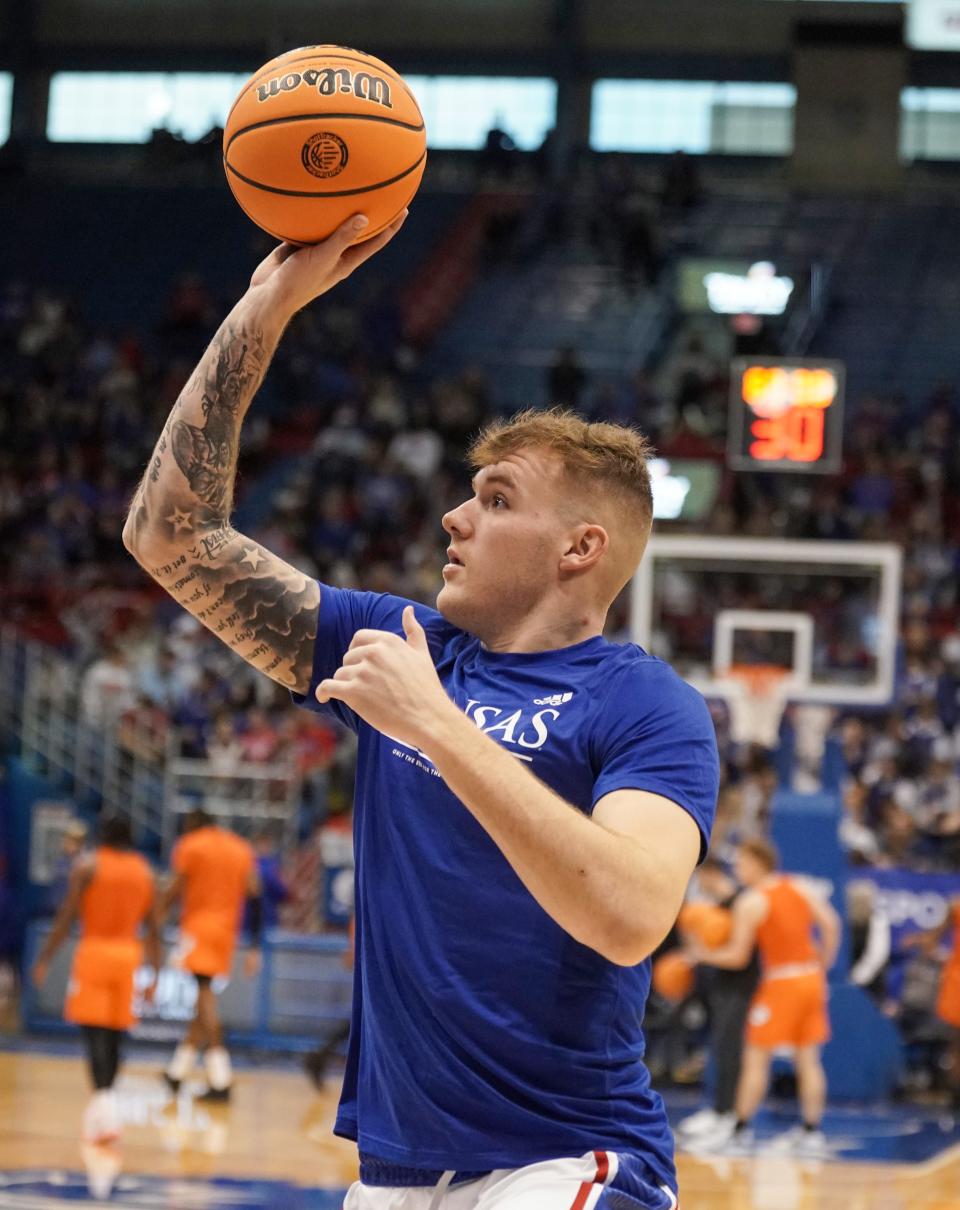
609, 456
761, 849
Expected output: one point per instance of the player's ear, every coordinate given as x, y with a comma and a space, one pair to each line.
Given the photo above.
585, 546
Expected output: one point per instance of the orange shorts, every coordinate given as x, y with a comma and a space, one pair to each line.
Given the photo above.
206, 946
100, 990
948, 997
789, 1012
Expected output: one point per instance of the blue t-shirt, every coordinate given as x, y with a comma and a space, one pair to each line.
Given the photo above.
483, 1035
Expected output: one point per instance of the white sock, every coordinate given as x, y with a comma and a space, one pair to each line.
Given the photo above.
182, 1062
108, 1107
219, 1071
100, 1118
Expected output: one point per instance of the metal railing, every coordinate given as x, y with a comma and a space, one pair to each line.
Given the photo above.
131, 765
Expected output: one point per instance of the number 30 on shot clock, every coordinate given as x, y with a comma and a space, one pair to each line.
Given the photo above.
785, 415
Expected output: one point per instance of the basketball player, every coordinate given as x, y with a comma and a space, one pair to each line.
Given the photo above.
214, 871
531, 799
797, 935
948, 995
728, 994
111, 893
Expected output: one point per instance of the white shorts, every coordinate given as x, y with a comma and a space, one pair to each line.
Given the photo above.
567, 1184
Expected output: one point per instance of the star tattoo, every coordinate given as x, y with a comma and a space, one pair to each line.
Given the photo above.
180, 520
253, 557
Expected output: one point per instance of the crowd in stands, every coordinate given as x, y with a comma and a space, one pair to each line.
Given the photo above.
370, 449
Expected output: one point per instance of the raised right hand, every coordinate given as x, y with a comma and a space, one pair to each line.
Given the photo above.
296, 276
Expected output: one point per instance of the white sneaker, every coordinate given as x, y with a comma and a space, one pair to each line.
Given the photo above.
102, 1164
718, 1127
730, 1143
811, 1145
717, 1140
800, 1144
701, 1122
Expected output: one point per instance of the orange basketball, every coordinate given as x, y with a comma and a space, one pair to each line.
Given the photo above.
714, 927
710, 924
691, 914
673, 976
318, 134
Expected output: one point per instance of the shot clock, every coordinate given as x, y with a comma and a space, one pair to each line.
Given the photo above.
785, 415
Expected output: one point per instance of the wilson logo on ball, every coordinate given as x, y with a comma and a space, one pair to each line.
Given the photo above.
330, 80
315, 132
324, 154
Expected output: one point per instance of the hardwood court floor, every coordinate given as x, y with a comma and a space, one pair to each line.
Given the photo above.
276, 1127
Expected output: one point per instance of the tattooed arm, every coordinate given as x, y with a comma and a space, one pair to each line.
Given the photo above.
178, 528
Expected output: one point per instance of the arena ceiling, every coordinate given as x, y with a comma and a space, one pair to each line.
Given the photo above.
415, 33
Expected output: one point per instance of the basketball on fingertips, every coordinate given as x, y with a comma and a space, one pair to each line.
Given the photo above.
672, 976
321, 133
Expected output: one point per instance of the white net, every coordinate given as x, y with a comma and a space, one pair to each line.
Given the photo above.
757, 696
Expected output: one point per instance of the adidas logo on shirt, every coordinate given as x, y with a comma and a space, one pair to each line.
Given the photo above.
556, 699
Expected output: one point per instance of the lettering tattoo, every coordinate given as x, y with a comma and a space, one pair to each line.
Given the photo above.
211, 544
160, 573
158, 456
269, 617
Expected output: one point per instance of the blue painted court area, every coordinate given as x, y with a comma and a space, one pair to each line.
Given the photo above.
897, 1134
40, 1190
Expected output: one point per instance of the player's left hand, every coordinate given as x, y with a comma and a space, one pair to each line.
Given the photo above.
390, 682
251, 963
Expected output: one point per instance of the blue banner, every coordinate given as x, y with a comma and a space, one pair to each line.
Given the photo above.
913, 902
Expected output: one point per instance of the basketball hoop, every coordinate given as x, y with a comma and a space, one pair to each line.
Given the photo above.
757, 696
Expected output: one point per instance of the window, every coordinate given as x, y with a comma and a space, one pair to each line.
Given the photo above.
930, 124
124, 107
932, 25
692, 116
6, 100
459, 110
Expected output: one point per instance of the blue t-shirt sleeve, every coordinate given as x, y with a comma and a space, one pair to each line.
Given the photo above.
654, 732
342, 613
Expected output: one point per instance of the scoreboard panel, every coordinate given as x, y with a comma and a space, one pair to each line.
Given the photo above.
786, 414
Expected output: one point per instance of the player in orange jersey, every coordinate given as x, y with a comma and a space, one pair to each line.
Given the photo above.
797, 935
727, 995
111, 893
214, 871
948, 996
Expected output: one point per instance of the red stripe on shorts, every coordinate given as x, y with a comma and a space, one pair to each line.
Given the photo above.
603, 1167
